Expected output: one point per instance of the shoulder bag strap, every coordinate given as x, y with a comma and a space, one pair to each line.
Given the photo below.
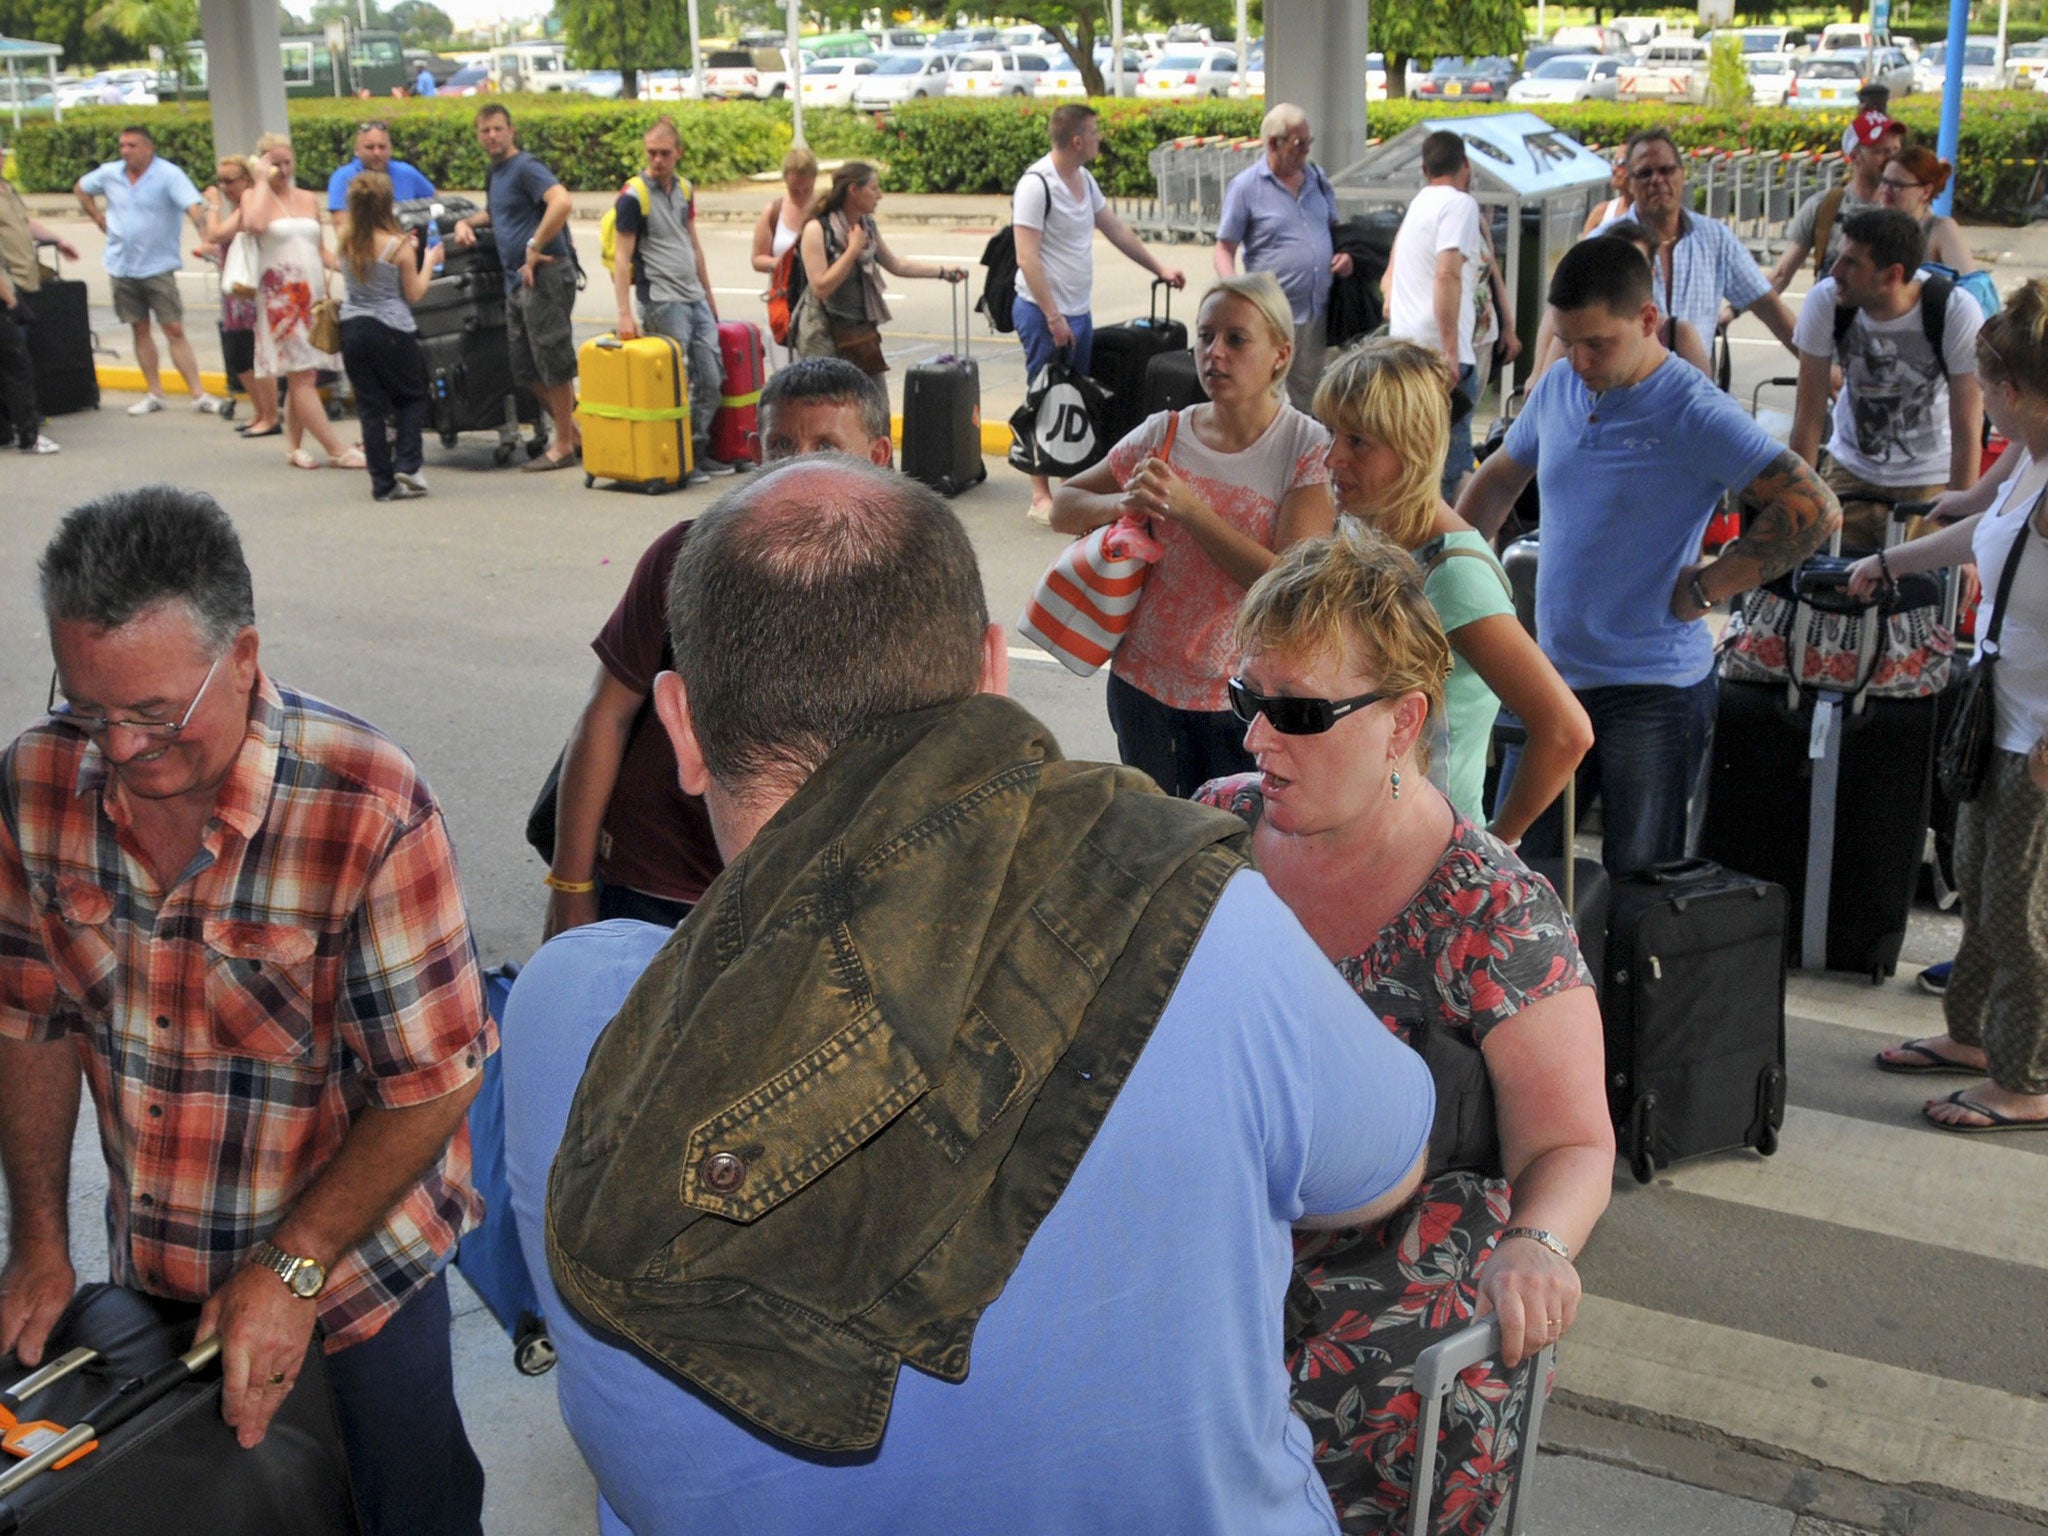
1445, 552
1987, 647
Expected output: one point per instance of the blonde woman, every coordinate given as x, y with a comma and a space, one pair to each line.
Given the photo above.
1244, 478
1386, 404
291, 241
1468, 958
384, 273
781, 223
238, 316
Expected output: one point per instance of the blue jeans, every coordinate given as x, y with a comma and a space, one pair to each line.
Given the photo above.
1181, 748
642, 907
409, 1458
1458, 462
696, 328
1651, 748
1036, 334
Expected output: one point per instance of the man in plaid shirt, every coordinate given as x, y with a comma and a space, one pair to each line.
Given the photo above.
235, 908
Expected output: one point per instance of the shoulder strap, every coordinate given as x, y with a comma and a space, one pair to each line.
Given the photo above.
1043, 182
1845, 317
1172, 431
391, 246
1439, 549
1824, 226
1988, 645
1935, 290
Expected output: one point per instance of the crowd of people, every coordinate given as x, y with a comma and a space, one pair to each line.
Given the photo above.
899, 1253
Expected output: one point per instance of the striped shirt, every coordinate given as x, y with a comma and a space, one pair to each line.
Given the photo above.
314, 959
1708, 264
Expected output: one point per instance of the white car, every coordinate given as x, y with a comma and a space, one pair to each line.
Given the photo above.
900, 77
2028, 62
830, 82
991, 72
1981, 69
671, 85
1770, 75
759, 73
1254, 73
1064, 82
1185, 76
1375, 77
1574, 77
1589, 40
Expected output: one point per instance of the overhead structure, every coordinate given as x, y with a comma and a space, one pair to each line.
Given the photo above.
1315, 58
21, 56
244, 72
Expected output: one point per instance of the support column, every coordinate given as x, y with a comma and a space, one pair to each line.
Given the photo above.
1315, 58
244, 72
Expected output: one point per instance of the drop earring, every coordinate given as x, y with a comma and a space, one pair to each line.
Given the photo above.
1395, 779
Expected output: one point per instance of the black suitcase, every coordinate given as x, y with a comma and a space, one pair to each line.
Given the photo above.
1119, 356
174, 1469
1173, 380
942, 412
60, 348
1694, 1013
467, 294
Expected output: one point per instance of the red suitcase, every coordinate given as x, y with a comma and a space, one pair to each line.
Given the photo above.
735, 430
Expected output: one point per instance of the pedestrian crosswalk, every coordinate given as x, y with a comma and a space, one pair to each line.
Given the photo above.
1902, 1369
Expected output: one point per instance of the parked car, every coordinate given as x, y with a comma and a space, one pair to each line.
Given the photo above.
990, 72
540, 67
1638, 31
1672, 69
968, 37
470, 80
1486, 79
1589, 40
1832, 80
671, 85
830, 82
604, 84
900, 40
437, 65
2028, 62
1063, 83
1574, 77
759, 73
1375, 77
900, 77
1180, 75
1981, 69
1770, 76
1254, 73
1850, 37
1756, 40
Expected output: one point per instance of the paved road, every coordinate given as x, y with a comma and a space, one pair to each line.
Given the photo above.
1852, 1329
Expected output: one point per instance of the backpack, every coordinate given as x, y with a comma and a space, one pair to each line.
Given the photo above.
1934, 292
999, 293
1978, 285
608, 226
1824, 228
785, 291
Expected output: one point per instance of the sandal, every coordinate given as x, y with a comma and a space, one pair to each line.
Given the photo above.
1995, 1122
351, 458
298, 458
1930, 1061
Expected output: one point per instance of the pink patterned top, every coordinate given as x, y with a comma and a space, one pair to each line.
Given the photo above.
1178, 647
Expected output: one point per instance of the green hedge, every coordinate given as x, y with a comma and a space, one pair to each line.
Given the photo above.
959, 146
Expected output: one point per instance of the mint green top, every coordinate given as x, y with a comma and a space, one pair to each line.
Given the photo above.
1463, 590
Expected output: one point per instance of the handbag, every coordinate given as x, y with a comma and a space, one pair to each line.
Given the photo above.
1805, 631
241, 270
1964, 751
1057, 431
860, 345
324, 334
1088, 597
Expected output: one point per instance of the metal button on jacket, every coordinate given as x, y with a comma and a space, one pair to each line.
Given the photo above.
723, 1173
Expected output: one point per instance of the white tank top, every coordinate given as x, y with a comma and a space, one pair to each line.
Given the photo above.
785, 237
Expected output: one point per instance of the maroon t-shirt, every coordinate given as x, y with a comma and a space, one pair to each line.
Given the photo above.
656, 838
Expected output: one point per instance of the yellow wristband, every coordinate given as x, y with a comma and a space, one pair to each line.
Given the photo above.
568, 887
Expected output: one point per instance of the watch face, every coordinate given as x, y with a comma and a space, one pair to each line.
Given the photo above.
307, 1277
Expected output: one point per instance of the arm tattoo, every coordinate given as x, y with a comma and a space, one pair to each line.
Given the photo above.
1791, 514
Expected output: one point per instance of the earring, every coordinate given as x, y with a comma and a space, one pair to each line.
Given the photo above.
1395, 779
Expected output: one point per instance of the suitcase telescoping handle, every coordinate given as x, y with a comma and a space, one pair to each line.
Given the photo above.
123, 1404
1436, 1373
960, 312
47, 1376
1155, 306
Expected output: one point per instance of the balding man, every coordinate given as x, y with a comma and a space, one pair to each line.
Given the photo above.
373, 153
1278, 212
902, 1086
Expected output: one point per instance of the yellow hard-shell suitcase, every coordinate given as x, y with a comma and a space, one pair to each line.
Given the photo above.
634, 412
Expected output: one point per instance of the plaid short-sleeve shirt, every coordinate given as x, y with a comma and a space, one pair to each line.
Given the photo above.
313, 960
1708, 264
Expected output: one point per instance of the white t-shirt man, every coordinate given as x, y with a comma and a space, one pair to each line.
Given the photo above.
1891, 423
1066, 233
1441, 218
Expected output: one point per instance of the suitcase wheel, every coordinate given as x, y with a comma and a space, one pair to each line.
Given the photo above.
533, 1352
447, 439
653, 488
1767, 1143
502, 454
1770, 1108
589, 481
1641, 1122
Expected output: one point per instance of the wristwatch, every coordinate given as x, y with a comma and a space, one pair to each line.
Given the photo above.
306, 1277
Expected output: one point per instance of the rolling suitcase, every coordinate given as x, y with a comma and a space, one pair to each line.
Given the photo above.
1119, 357
736, 428
942, 413
161, 1459
634, 412
1173, 380
1437, 1370
1694, 1013
489, 1255
460, 322
60, 347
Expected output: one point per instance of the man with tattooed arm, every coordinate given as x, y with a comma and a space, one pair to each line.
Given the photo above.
1633, 450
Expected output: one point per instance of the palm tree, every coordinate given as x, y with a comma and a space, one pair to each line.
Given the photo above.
166, 25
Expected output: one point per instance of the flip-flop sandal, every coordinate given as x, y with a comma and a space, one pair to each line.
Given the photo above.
1934, 1065
1961, 1099
543, 464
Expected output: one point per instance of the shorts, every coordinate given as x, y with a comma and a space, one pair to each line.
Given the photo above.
1035, 332
137, 298
1867, 506
238, 352
539, 331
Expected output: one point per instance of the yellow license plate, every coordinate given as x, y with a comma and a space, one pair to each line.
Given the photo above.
1829, 93
1454, 89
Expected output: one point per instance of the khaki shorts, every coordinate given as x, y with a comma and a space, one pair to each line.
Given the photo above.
137, 298
541, 336
1866, 508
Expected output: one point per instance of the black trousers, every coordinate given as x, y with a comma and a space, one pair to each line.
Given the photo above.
389, 375
18, 380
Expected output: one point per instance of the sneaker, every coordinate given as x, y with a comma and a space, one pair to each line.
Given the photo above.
697, 476
40, 445
208, 405
413, 484
404, 490
148, 405
713, 469
1934, 979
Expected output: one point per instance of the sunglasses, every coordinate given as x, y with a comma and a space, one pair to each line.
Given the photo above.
1654, 172
1292, 716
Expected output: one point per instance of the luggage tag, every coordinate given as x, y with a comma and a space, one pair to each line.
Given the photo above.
26, 1440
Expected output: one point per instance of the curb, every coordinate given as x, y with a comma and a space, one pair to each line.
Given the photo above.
995, 436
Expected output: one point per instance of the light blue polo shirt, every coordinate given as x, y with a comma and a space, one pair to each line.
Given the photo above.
144, 237
407, 184
1629, 479
1280, 233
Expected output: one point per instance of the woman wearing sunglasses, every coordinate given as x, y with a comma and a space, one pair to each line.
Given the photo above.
1386, 404
1466, 956
1910, 183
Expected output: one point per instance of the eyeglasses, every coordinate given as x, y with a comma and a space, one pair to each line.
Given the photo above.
1295, 717
1654, 172
1293, 143
1887, 184
97, 726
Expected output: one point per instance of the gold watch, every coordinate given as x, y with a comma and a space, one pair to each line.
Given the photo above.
305, 1277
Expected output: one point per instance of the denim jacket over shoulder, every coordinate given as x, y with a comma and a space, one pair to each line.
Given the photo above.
815, 1141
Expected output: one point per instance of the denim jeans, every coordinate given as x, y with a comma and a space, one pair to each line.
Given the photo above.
1036, 335
623, 901
17, 380
409, 1458
389, 376
696, 328
1651, 749
1458, 463
1181, 748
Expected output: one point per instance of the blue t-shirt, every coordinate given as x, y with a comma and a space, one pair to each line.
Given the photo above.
145, 217
515, 195
1130, 1376
407, 185
1627, 491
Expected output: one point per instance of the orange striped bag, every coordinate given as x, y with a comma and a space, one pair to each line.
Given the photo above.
1089, 595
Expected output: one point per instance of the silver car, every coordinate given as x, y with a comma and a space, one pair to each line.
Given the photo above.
901, 77
1574, 77
991, 72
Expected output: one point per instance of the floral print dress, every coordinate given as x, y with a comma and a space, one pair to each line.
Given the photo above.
1483, 939
293, 281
